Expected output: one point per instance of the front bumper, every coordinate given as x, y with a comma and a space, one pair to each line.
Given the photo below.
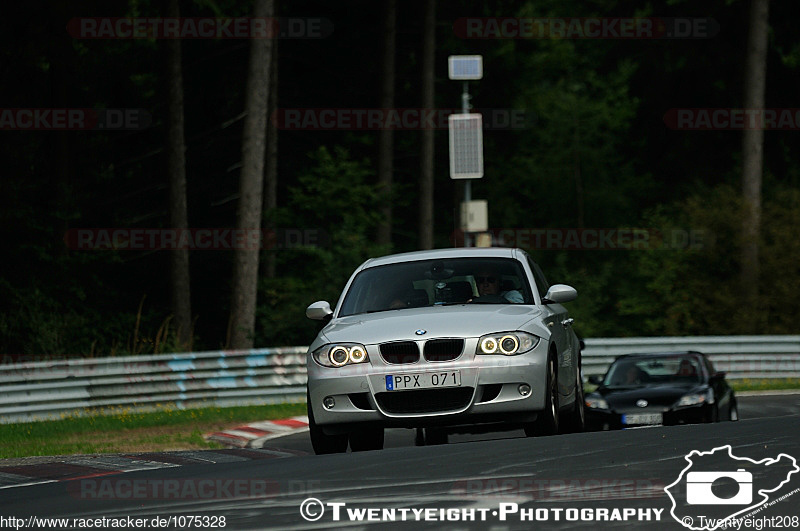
489, 391
603, 419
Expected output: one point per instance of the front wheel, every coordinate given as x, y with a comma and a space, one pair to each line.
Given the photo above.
576, 422
713, 415
733, 412
321, 441
547, 421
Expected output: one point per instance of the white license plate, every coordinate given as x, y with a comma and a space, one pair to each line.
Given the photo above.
643, 419
422, 380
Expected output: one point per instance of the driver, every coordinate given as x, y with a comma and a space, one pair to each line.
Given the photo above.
488, 283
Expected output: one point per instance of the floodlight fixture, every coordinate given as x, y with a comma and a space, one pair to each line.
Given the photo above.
465, 67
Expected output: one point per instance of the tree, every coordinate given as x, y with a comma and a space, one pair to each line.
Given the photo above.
271, 189
176, 170
753, 147
251, 186
427, 148
386, 135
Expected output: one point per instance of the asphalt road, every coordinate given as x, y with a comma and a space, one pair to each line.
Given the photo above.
616, 477
750, 407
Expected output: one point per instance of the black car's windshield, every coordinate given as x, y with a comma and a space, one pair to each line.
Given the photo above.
667, 370
437, 282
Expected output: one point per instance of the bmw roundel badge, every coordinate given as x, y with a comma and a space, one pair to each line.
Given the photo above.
421, 332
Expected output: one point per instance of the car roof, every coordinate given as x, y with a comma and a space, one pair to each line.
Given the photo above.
659, 354
454, 252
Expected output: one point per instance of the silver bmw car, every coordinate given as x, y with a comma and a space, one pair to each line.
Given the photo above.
450, 340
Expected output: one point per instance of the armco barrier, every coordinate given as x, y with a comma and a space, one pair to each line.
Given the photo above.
739, 356
42, 390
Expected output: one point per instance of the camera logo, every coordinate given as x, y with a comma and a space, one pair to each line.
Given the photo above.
699, 488
717, 487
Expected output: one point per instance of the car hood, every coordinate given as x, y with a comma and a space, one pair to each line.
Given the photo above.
661, 395
471, 320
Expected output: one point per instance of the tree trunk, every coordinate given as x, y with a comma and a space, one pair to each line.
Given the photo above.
752, 147
58, 185
271, 194
427, 149
386, 136
180, 288
251, 188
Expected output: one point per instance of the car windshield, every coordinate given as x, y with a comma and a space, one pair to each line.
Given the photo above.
437, 282
667, 370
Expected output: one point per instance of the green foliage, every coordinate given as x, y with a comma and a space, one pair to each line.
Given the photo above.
595, 153
693, 288
334, 200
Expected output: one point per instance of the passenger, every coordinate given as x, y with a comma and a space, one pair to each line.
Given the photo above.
686, 369
632, 376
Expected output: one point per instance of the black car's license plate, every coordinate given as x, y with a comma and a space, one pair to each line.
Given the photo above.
643, 419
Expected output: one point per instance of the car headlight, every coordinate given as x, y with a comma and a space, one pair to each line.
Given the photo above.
595, 402
340, 354
695, 399
506, 343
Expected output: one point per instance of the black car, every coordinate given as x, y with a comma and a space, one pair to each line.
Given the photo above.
663, 388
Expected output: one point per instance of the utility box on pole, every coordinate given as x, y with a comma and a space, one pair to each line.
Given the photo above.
475, 216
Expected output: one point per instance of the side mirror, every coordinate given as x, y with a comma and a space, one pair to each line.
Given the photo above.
595, 379
719, 375
560, 293
319, 310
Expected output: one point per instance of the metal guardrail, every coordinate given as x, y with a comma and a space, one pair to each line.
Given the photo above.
740, 356
45, 390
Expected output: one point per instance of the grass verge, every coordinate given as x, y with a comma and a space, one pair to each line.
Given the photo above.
754, 384
126, 431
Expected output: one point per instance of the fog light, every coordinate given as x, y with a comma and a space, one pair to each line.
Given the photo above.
328, 402
524, 389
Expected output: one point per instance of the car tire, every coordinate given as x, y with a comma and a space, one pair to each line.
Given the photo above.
733, 412
547, 421
435, 436
367, 439
321, 441
576, 422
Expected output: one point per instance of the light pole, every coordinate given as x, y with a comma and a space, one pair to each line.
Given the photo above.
466, 143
